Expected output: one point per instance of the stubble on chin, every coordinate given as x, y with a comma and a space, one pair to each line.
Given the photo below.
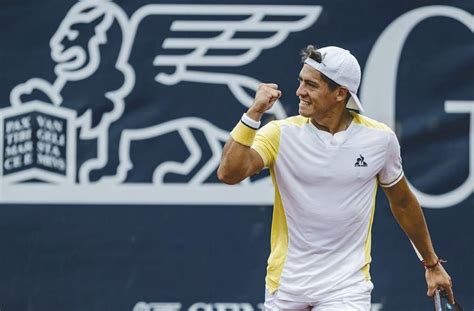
303, 113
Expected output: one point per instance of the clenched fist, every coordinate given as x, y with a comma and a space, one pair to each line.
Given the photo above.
267, 94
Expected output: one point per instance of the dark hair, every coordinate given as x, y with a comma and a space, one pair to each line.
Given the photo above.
311, 52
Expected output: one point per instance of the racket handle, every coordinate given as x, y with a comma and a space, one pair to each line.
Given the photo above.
437, 301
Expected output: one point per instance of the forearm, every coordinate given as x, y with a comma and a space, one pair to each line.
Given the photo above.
411, 219
409, 215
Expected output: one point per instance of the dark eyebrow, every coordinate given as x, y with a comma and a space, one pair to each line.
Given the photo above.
308, 81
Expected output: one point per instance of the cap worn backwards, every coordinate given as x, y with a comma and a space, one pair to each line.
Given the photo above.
343, 68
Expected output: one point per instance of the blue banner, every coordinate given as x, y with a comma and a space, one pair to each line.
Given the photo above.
113, 116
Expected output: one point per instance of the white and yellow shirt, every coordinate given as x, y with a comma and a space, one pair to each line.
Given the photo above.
325, 188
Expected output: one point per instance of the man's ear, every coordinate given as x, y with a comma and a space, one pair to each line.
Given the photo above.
341, 94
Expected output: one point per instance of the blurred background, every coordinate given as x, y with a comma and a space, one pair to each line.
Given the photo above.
113, 117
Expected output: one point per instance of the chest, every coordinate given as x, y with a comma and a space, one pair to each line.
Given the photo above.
309, 159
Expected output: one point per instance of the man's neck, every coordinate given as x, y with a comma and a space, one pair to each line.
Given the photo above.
333, 121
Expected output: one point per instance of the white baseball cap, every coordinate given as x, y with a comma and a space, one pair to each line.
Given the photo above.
343, 68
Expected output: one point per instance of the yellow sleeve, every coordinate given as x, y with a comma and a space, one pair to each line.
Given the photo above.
267, 142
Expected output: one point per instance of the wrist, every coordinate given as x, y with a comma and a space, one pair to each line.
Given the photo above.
430, 259
243, 134
254, 114
252, 123
429, 265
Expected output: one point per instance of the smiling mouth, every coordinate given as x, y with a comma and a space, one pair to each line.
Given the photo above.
304, 103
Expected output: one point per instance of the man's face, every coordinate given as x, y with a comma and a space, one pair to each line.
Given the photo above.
315, 96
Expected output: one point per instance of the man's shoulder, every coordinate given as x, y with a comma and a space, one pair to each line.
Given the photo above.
370, 123
275, 127
294, 120
289, 121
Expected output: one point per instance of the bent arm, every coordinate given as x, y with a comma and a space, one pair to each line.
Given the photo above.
408, 213
238, 162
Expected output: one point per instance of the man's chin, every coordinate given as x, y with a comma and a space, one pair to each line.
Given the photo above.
303, 113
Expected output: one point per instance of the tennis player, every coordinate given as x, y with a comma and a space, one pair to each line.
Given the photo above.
326, 164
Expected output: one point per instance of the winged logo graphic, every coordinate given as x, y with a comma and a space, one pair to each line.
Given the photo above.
107, 63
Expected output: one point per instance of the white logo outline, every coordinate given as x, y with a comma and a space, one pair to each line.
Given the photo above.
72, 67
380, 74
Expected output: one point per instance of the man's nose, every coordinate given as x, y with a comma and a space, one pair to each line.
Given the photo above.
300, 91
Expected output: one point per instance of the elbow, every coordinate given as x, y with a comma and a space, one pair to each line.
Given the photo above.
227, 177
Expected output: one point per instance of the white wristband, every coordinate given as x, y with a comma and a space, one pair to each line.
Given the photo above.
250, 122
